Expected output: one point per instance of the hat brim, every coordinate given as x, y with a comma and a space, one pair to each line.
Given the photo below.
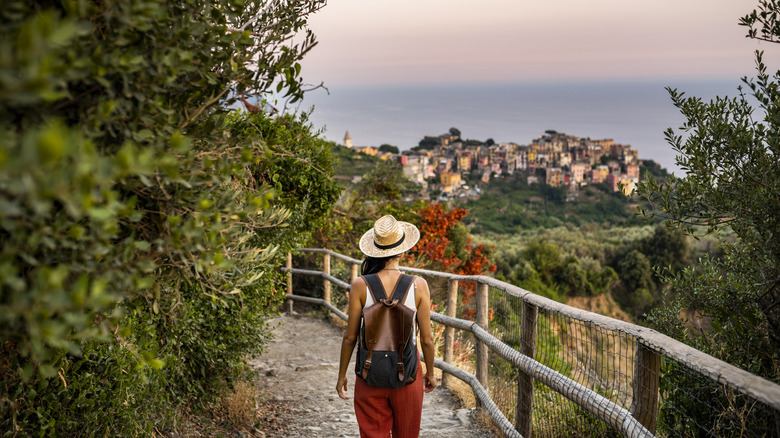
412, 236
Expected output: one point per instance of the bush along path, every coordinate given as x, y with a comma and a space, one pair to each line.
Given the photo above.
297, 388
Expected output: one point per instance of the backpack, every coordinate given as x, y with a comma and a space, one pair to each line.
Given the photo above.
385, 356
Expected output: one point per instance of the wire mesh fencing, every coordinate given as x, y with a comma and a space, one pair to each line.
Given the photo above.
554, 370
694, 405
598, 359
667, 396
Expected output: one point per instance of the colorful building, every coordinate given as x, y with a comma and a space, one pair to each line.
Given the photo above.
578, 171
449, 180
553, 176
602, 171
464, 162
632, 171
368, 150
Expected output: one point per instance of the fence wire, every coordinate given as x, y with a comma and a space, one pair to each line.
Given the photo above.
596, 358
667, 396
693, 405
689, 404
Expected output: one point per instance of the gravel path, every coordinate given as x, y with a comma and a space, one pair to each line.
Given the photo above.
297, 385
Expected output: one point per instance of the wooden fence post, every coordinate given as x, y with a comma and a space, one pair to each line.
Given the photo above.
289, 283
525, 383
482, 321
353, 273
326, 282
449, 332
647, 369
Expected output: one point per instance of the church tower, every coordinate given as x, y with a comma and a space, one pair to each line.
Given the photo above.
348, 140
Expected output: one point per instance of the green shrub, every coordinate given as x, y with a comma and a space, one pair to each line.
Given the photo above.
139, 220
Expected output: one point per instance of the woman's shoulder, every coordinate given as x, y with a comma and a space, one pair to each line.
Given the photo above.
358, 285
420, 283
418, 279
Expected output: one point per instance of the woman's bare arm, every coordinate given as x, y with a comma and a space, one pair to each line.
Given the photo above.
357, 296
423, 299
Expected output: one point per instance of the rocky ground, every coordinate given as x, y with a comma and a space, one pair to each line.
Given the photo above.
297, 388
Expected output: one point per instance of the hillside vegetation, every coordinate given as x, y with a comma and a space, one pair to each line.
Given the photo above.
589, 261
352, 163
509, 205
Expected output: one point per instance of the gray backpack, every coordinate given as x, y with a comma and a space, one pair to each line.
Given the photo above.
386, 357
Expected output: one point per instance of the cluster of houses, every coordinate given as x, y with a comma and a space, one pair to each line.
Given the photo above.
555, 159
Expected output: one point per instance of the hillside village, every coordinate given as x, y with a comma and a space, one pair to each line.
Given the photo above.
447, 162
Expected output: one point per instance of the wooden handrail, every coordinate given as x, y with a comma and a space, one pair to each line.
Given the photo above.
321, 302
347, 259
482, 395
603, 408
637, 420
722, 372
332, 279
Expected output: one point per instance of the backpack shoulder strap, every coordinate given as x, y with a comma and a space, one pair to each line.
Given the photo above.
375, 287
402, 287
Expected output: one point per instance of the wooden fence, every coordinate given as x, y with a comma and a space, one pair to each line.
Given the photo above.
632, 409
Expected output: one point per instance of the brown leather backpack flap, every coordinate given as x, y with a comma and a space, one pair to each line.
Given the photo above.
390, 327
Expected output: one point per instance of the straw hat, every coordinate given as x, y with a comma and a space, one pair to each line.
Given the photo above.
389, 237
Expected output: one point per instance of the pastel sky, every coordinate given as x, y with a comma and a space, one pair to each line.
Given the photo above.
368, 42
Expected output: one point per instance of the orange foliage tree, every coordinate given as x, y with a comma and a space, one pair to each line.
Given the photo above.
441, 248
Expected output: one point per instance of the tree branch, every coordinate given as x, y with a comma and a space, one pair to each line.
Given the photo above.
206, 105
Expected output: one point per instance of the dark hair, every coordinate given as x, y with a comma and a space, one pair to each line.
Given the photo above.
372, 265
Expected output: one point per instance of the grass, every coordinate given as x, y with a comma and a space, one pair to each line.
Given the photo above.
240, 405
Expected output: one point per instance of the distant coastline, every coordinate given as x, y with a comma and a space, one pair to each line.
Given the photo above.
634, 113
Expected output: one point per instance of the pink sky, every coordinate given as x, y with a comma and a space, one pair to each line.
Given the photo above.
424, 41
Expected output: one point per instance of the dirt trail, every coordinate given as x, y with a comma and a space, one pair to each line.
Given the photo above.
298, 378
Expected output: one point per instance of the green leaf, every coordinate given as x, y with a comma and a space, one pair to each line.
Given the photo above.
143, 135
26, 372
47, 371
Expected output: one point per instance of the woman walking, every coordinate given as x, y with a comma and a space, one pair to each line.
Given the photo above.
382, 412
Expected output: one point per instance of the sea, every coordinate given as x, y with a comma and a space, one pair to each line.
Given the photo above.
629, 112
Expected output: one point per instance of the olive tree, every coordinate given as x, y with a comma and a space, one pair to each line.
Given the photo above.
730, 151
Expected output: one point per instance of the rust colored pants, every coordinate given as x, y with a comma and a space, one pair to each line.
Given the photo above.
381, 410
